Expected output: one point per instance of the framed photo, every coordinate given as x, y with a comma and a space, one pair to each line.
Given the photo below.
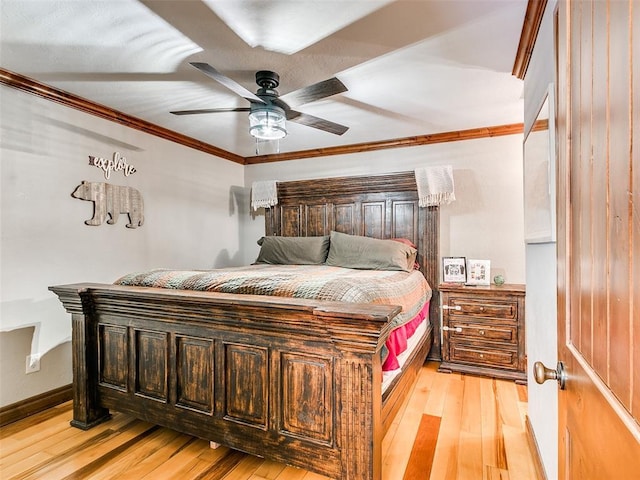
478, 272
454, 269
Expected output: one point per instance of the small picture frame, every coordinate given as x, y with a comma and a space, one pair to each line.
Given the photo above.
454, 269
478, 272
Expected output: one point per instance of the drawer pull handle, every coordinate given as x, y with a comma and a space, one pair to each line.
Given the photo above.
447, 307
481, 332
482, 355
482, 309
455, 329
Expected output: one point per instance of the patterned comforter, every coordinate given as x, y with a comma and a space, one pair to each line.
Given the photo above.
408, 290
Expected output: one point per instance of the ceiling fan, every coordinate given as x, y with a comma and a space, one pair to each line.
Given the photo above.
268, 110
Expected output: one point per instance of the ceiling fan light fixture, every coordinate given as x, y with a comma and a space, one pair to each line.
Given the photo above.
267, 123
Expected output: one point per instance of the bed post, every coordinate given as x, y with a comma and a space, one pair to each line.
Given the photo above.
360, 423
430, 245
84, 340
359, 400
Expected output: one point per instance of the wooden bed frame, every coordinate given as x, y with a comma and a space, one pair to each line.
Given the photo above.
297, 381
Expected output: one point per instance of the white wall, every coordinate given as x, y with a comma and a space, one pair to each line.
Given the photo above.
541, 321
191, 205
485, 221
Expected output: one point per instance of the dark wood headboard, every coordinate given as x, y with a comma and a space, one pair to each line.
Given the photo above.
379, 206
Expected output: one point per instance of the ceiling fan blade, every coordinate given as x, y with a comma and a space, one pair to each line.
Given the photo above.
210, 110
227, 82
314, 92
315, 122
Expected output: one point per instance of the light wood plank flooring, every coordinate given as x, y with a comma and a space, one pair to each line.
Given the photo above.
482, 436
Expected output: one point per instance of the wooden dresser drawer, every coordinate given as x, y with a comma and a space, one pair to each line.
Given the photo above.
483, 308
481, 356
479, 331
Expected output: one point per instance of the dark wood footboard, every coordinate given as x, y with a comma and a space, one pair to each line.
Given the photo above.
296, 381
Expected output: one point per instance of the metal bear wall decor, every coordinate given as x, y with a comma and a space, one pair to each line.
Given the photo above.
111, 200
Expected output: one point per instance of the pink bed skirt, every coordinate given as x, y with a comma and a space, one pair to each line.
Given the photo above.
397, 341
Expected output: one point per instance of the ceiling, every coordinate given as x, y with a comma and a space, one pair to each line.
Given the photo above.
412, 67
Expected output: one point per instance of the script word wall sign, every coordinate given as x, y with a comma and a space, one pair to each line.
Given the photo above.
116, 164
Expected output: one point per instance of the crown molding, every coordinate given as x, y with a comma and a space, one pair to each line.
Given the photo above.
528, 37
34, 87
455, 136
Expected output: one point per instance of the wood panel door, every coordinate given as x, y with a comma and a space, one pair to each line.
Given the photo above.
598, 122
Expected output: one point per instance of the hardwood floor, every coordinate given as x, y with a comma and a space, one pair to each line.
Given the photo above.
481, 436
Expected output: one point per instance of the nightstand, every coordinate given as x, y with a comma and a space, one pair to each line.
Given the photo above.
483, 330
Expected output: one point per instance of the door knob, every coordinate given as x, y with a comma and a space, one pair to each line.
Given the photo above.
542, 374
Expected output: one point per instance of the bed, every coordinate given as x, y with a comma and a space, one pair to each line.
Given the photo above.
296, 380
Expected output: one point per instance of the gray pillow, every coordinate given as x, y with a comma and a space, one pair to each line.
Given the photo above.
293, 250
353, 251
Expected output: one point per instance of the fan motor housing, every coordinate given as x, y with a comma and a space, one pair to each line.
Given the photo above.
267, 79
